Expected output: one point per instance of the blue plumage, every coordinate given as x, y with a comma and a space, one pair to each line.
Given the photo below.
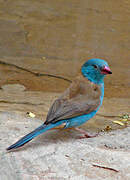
78, 103
92, 72
41, 129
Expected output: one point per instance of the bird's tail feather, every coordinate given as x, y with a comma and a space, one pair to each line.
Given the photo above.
31, 135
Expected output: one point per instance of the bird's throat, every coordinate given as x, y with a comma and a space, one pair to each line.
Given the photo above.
93, 76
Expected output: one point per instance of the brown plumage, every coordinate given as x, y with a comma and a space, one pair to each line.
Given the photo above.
82, 97
77, 104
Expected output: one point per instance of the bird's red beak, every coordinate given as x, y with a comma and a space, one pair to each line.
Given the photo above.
106, 70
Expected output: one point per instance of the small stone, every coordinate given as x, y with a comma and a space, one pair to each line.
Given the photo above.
13, 87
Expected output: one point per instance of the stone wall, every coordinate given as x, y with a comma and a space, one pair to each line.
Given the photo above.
55, 37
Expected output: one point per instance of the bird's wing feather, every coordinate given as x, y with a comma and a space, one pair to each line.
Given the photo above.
82, 97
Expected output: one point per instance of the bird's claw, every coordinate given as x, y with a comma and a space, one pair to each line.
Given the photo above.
88, 136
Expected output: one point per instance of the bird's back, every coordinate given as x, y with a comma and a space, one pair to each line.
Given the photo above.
81, 97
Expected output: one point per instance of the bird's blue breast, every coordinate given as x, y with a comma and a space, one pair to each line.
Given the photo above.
79, 120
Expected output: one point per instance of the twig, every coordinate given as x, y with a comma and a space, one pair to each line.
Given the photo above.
109, 116
104, 167
34, 73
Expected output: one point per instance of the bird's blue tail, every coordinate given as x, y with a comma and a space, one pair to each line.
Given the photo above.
33, 134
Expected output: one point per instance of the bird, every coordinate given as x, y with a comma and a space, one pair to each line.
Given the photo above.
77, 104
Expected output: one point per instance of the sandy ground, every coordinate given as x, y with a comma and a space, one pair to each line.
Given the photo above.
60, 154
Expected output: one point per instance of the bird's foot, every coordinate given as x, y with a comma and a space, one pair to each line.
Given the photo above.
85, 134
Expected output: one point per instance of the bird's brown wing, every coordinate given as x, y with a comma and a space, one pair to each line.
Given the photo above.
82, 97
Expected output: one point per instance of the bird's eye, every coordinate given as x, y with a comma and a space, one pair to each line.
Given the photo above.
95, 66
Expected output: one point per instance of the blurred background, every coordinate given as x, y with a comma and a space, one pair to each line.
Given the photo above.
43, 44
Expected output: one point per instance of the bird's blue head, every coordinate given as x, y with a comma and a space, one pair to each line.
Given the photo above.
95, 70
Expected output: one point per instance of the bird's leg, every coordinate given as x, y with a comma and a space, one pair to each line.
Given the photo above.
85, 134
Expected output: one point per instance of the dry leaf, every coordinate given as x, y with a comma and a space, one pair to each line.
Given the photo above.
124, 120
43, 58
107, 128
118, 122
32, 115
